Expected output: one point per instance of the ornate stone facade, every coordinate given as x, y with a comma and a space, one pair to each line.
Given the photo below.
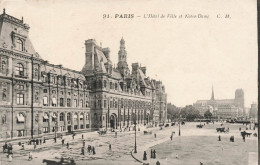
40, 98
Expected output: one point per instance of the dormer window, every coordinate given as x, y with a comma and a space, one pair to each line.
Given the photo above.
19, 45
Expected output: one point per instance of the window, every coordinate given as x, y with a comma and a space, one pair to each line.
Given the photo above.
45, 129
20, 133
19, 45
62, 117
111, 104
99, 103
105, 103
81, 103
20, 99
36, 71
115, 86
19, 69
4, 119
3, 66
105, 83
45, 117
86, 104
53, 92
115, 104
75, 102
45, 101
68, 102
69, 117
87, 117
61, 102
111, 85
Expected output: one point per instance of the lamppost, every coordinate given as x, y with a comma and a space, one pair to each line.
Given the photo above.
56, 130
135, 130
180, 126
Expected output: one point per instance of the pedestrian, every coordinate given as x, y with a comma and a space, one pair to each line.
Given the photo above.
219, 138
157, 163
83, 143
44, 141
94, 152
30, 156
62, 141
55, 139
240, 129
154, 154
110, 146
34, 146
171, 137
116, 134
244, 137
88, 149
155, 135
177, 156
82, 136
73, 136
82, 151
10, 158
40, 141
68, 145
151, 153
145, 158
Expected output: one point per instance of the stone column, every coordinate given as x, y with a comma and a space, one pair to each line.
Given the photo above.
72, 121
78, 120
84, 120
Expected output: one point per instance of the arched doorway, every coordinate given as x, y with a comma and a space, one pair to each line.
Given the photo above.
113, 119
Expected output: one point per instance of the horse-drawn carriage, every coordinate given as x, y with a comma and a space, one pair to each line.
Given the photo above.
167, 125
147, 132
199, 126
222, 130
63, 161
172, 124
244, 133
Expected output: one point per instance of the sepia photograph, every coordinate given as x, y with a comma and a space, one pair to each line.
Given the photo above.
148, 82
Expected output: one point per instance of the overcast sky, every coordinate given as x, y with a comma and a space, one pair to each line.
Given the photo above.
188, 55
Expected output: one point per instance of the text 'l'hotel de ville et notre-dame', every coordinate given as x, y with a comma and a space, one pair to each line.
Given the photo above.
38, 98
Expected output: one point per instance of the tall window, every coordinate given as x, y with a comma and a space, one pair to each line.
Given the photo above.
75, 102
111, 85
62, 117
19, 69
20, 99
69, 117
111, 104
4, 119
105, 83
45, 101
61, 102
3, 66
68, 102
115, 104
81, 103
99, 103
105, 103
19, 45
115, 86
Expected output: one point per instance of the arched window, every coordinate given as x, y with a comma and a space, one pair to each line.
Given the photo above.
4, 119
19, 69
19, 45
115, 86
69, 117
111, 85
81, 103
62, 117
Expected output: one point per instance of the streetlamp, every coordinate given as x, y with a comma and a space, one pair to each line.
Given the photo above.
135, 130
180, 126
56, 130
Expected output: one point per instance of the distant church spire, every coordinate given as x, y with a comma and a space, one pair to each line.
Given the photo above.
212, 94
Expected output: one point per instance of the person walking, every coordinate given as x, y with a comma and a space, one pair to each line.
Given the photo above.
110, 147
93, 149
155, 135
68, 145
82, 151
83, 143
157, 163
171, 137
151, 153
145, 156
116, 134
244, 137
30, 156
82, 136
154, 154
34, 146
219, 138
73, 136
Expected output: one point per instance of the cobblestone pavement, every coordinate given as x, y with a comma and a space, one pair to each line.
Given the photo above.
122, 145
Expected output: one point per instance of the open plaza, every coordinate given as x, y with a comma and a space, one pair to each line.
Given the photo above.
193, 146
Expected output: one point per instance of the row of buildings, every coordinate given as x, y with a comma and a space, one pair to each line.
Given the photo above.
225, 108
39, 98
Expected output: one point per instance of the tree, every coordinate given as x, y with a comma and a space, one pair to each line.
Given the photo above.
172, 111
207, 114
190, 113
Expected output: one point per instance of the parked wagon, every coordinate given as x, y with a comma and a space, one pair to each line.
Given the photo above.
147, 132
220, 129
199, 126
244, 133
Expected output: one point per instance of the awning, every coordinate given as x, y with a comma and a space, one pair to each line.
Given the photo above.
54, 101
20, 118
45, 117
81, 116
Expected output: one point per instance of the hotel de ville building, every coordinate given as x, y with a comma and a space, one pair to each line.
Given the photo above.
39, 99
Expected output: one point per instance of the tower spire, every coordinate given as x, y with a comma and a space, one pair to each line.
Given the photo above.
212, 94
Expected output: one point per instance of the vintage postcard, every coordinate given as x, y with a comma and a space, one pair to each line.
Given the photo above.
128, 82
